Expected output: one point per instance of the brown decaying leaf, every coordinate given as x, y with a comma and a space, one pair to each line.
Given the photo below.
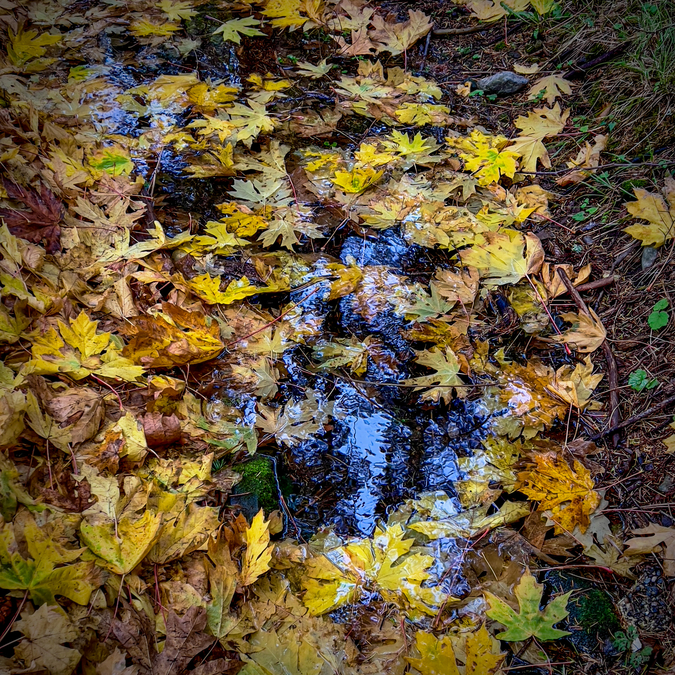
161, 430
41, 217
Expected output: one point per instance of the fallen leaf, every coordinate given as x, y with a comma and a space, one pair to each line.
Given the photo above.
437, 656
176, 338
505, 257
553, 86
529, 621
568, 493
45, 632
39, 218
586, 334
659, 537
588, 157
48, 571
258, 550
657, 211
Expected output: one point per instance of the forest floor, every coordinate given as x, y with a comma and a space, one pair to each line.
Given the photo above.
238, 238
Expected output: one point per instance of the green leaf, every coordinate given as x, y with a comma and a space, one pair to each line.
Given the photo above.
661, 304
658, 319
530, 621
639, 381
232, 29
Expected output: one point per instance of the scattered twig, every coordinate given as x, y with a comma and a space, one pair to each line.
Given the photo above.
461, 31
598, 283
581, 70
612, 370
636, 418
614, 165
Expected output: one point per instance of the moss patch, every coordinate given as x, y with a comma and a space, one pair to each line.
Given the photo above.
592, 617
258, 486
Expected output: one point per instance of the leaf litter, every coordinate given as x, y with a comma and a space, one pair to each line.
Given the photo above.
153, 342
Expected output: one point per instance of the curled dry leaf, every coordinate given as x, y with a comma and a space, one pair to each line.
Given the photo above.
586, 334
588, 157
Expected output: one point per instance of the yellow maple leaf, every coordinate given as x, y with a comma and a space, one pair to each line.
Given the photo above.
25, 45
447, 375
504, 257
119, 546
567, 492
552, 86
208, 289
45, 633
233, 29
356, 180
480, 654
539, 124
575, 385
397, 38
484, 156
47, 571
258, 553
251, 120
175, 338
588, 157
147, 28
420, 114
384, 563
176, 10
658, 211
83, 354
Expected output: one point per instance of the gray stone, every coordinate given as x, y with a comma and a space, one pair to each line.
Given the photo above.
502, 84
649, 256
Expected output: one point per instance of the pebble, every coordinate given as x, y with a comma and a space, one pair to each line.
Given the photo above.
502, 84
649, 256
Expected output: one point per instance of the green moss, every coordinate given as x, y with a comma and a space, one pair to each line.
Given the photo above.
595, 612
258, 478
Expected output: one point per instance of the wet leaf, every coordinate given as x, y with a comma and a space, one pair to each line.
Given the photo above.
48, 571
175, 338
234, 28
505, 257
553, 86
588, 157
384, 562
567, 492
39, 216
120, 545
258, 550
529, 621
447, 375
485, 157
437, 656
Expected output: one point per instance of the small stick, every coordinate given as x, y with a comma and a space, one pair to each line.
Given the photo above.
598, 283
612, 370
636, 418
461, 31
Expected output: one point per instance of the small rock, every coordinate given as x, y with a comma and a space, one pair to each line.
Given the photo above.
502, 84
649, 256
666, 485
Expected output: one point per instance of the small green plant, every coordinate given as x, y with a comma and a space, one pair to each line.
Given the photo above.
658, 318
585, 211
623, 642
638, 380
